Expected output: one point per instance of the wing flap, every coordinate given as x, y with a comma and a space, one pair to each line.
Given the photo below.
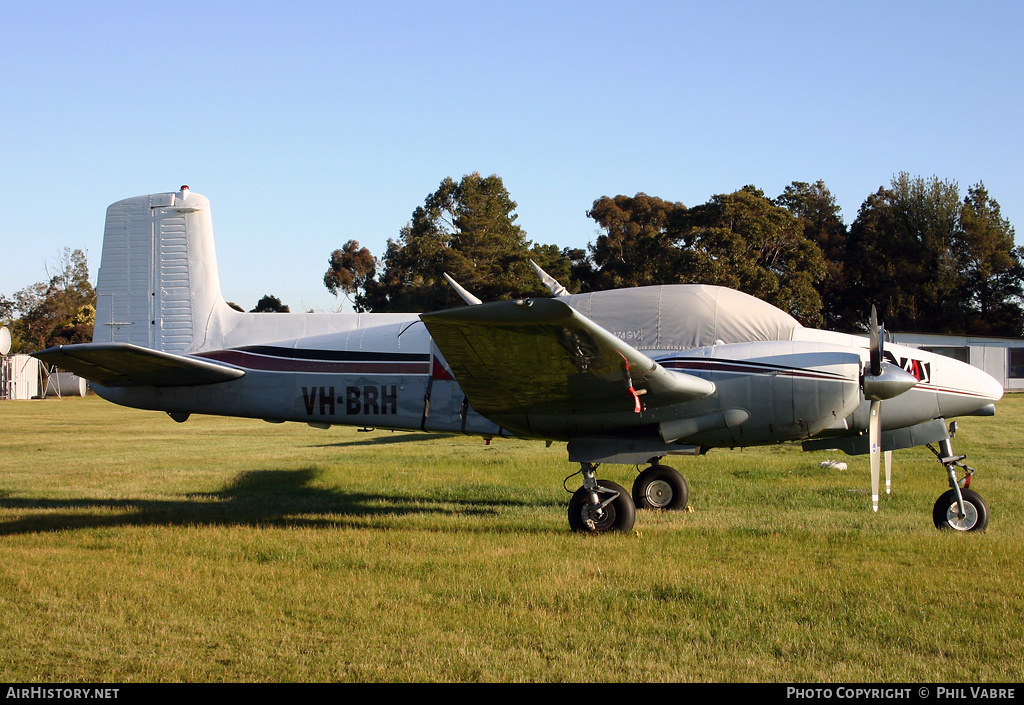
542, 356
127, 365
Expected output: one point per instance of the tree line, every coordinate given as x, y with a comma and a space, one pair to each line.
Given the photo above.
57, 311
930, 258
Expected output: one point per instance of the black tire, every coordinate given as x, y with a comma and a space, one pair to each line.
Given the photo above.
660, 487
619, 515
946, 516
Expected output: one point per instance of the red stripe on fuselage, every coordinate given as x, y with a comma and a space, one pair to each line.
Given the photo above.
948, 390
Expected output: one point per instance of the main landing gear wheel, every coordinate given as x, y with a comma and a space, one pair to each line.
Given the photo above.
946, 513
619, 514
660, 487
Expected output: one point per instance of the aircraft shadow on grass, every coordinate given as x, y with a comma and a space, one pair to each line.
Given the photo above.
255, 498
394, 437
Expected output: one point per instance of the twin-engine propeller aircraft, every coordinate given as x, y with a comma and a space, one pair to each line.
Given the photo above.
628, 376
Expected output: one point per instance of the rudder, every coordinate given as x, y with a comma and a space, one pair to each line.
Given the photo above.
158, 285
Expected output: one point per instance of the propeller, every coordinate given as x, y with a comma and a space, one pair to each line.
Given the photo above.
875, 421
876, 334
875, 440
881, 380
888, 471
461, 291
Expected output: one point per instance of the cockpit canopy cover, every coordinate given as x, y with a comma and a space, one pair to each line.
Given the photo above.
683, 316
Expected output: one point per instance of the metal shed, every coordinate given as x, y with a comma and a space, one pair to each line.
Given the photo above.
1003, 358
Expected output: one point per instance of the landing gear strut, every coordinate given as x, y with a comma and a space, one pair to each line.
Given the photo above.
600, 505
958, 509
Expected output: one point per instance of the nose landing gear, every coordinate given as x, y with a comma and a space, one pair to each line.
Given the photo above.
959, 508
965, 513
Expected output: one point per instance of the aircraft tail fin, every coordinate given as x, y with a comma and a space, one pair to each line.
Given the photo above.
158, 285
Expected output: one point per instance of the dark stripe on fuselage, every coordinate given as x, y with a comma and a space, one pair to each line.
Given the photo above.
743, 367
337, 355
274, 359
738, 367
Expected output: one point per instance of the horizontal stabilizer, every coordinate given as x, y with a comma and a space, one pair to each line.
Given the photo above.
541, 356
127, 365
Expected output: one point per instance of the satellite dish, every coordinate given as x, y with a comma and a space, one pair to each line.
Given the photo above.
5, 340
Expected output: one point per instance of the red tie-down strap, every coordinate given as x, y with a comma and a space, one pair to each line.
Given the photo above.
629, 381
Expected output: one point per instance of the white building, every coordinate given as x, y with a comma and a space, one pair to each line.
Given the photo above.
19, 377
1003, 358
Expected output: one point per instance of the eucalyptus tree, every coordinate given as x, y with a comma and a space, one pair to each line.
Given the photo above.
57, 311
818, 211
989, 266
634, 247
933, 262
745, 241
466, 229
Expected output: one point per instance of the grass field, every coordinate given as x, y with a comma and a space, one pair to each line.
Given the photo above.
135, 549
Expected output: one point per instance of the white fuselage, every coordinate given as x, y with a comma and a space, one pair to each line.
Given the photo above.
774, 380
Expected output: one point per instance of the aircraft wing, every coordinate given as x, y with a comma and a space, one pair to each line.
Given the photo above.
126, 365
543, 356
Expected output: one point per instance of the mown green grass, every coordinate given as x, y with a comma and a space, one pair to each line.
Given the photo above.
135, 549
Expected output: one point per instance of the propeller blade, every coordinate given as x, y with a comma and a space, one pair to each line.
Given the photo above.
876, 344
877, 386
888, 471
466, 296
874, 439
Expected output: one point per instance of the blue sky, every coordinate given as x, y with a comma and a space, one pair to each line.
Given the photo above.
311, 123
